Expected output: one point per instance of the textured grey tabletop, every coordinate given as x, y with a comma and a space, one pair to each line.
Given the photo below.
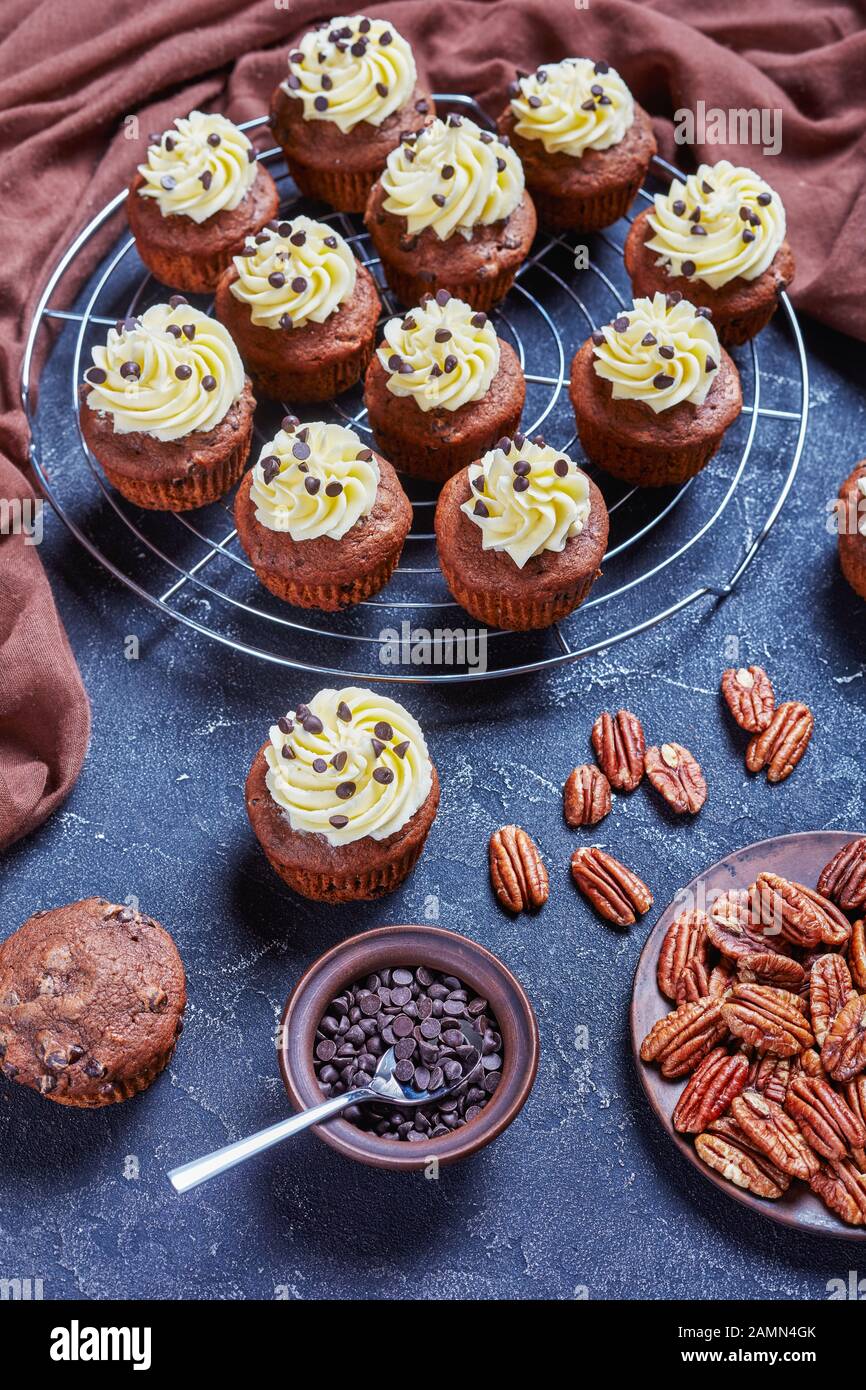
584, 1194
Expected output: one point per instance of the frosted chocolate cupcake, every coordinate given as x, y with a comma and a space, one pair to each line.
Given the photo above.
301, 309
718, 238
584, 142
654, 391
166, 409
352, 89
442, 388
342, 795
198, 195
852, 529
451, 212
322, 518
521, 535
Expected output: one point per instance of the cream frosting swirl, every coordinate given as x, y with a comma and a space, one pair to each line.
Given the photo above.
292, 273
526, 498
452, 176
443, 353
351, 70
349, 764
314, 480
572, 106
662, 351
201, 166
724, 221
169, 373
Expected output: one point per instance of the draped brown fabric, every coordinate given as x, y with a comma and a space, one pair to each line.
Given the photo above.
81, 87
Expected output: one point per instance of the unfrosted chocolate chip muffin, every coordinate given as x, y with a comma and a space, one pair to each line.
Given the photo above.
91, 1002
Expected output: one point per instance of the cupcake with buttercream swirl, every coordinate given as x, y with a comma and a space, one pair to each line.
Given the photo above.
342, 795
294, 273
660, 352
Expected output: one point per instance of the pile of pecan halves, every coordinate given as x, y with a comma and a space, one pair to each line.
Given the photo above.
769, 1025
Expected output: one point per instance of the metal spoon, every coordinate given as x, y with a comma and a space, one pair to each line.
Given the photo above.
383, 1087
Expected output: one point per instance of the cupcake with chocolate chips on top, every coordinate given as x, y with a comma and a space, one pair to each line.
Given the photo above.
321, 517
584, 142
442, 388
352, 89
166, 409
451, 212
301, 309
521, 535
197, 196
342, 795
719, 238
654, 391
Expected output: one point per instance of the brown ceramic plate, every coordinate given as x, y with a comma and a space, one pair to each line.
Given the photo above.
800, 857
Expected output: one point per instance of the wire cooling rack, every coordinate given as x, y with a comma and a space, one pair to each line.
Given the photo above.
669, 548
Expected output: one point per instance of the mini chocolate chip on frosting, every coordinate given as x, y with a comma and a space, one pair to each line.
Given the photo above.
294, 272
483, 184
659, 352
723, 222
572, 106
200, 166
314, 480
443, 354
169, 373
527, 497
351, 70
352, 796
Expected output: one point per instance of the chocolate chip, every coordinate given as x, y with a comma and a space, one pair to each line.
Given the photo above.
698, 231
327, 83
130, 370
168, 182
678, 207
333, 489
748, 236
344, 713
666, 351
588, 105
386, 38
312, 485
176, 300
270, 467
703, 313
384, 775
285, 725
560, 468
320, 103
688, 268
673, 297
209, 383
300, 449
480, 509
381, 89
500, 164
313, 724
620, 324
450, 363
183, 372
662, 381
711, 366
442, 297
319, 765
401, 749
422, 107
378, 747
276, 279
439, 199
330, 242
384, 731
522, 468
764, 199
601, 68
695, 216
447, 171
648, 340
478, 320
206, 179
598, 338
707, 187
338, 821
95, 375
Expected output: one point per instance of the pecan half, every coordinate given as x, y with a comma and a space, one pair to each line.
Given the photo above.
586, 796
842, 1187
680, 1041
780, 747
844, 878
615, 892
843, 1054
783, 907
825, 1119
835, 927
767, 968
810, 1062
767, 1019
829, 991
727, 1150
694, 982
620, 746
774, 1132
676, 775
721, 979
517, 870
855, 1094
749, 695
684, 940
735, 930
710, 1090
857, 954
772, 1076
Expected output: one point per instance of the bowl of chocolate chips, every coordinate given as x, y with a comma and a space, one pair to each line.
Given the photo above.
413, 989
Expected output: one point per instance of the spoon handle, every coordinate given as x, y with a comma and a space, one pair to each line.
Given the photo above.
200, 1169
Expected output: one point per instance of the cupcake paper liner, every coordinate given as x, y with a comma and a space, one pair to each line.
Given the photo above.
284, 384
437, 465
195, 274
853, 565
641, 465
329, 597
345, 191
577, 214
521, 613
481, 294
196, 490
348, 887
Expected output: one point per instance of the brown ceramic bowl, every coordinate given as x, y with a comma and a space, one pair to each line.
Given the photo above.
410, 946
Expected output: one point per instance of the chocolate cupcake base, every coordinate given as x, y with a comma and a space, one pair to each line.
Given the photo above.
629, 440
852, 545
740, 309
361, 871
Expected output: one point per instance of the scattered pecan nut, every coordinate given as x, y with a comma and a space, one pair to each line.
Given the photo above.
843, 1054
727, 1150
767, 1019
586, 796
710, 1090
841, 1185
680, 1041
780, 747
772, 1076
517, 870
684, 941
676, 775
829, 991
774, 1132
844, 879
783, 908
768, 968
615, 892
749, 695
620, 748
824, 1117
857, 954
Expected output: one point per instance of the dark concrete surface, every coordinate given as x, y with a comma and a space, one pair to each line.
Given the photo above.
584, 1194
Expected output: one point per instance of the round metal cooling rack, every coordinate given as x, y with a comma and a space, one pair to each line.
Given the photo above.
190, 566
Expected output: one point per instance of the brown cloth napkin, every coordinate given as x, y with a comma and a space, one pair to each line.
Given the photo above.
72, 75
